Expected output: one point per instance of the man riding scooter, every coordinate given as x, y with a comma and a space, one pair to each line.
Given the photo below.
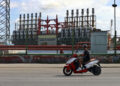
73, 65
86, 57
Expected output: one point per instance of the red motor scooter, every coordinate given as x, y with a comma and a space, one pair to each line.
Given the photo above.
93, 66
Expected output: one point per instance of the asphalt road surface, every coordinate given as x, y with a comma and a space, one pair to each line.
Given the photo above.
39, 76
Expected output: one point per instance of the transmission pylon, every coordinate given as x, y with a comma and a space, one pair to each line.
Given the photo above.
4, 21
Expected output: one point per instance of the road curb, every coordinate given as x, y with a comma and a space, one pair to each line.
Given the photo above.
49, 65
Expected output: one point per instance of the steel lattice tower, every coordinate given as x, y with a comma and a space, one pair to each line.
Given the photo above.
4, 20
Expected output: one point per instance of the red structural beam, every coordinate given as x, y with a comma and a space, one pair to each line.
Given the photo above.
118, 47
39, 47
50, 23
43, 47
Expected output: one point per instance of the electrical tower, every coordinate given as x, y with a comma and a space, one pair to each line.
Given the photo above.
4, 21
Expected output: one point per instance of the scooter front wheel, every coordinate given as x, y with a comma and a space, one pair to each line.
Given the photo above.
67, 72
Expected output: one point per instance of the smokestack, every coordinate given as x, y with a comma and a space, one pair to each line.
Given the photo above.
72, 13
31, 21
20, 20
39, 24
15, 27
93, 11
35, 15
24, 21
93, 18
77, 14
36, 21
27, 21
82, 21
87, 17
31, 16
40, 15
67, 17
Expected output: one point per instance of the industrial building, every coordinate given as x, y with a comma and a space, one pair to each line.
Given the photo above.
31, 29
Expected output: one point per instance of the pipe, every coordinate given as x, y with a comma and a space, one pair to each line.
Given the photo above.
47, 25
77, 14
67, 17
32, 21
39, 24
82, 20
27, 22
87, 17
24, 21
93, 18
20, 19
72, 16
36, 21
57, 25
15, 27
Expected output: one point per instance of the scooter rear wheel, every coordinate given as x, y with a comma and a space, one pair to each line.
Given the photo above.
96, 70
67, 72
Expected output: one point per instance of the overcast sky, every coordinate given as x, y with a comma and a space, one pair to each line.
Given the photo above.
103, 9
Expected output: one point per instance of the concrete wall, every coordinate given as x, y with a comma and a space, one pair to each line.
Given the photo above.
53, 58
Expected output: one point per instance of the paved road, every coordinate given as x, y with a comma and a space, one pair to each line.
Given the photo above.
38, 76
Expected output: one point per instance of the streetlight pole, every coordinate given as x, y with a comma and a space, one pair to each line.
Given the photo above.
114, 6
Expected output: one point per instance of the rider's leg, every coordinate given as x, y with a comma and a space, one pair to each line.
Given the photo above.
84, 62
76, 63
83, 66
79, 66
79, 69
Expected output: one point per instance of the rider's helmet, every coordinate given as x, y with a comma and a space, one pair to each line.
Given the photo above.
75, 55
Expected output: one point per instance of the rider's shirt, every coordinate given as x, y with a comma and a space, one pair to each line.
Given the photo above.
86, 56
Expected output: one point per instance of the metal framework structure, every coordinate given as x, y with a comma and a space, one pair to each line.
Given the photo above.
48, 25
4, 21
88, 20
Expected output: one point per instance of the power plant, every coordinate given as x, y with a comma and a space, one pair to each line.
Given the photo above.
31, 29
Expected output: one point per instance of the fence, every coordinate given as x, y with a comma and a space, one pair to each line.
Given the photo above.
53, 49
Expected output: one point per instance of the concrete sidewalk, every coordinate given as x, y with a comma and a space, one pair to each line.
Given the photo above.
110, 65
49, 65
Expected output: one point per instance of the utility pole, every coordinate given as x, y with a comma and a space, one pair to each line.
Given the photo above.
115, 35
